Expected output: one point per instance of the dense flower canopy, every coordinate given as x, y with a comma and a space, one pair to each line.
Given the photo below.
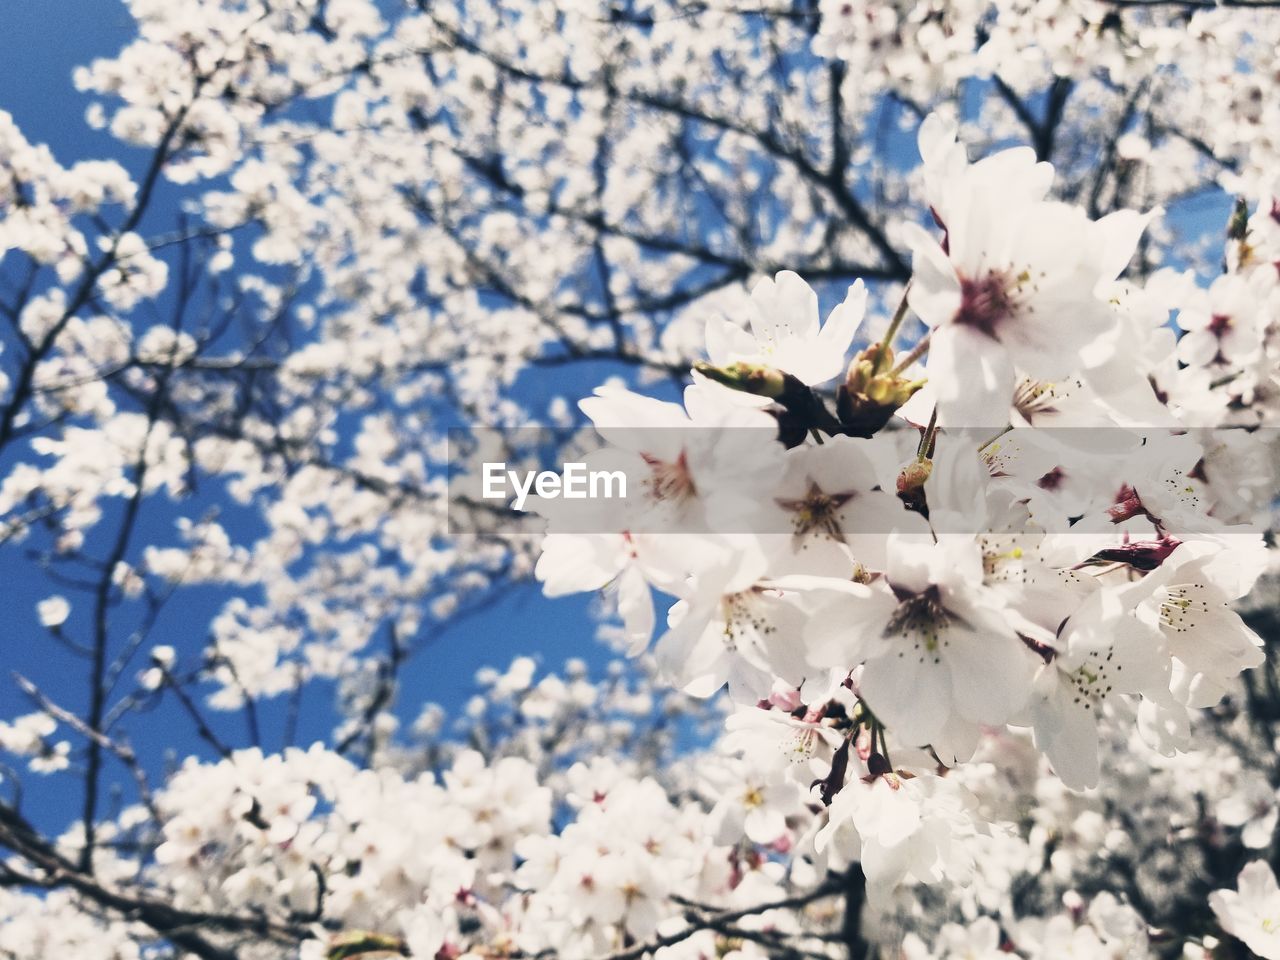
944, 602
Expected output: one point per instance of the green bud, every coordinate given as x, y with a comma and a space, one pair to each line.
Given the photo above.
872, 392
748, 377
879, 390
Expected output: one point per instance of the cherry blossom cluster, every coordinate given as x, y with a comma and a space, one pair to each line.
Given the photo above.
912, 591
963, 505
463, 854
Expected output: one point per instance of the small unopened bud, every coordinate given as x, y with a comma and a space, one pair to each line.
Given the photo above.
863, 743
911, 480
1140, 554
748, 377
913, 476
869, 363
872, 391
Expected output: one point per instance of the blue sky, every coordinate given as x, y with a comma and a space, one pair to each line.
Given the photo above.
41, 42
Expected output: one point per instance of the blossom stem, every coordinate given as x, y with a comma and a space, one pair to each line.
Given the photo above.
916, 352
925, 450
990, 440
877, 732
898, 316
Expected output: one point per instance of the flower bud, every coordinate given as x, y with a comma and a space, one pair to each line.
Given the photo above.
869, 363
748, 377
872, 392
911, 480
913, 475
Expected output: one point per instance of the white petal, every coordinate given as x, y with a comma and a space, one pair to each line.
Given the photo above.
1115, 238
935, 289
1067, 734
635, 604
973, 378
908, 691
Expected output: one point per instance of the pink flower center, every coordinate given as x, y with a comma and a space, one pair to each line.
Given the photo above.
1051, 480
670, 481
984, 303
